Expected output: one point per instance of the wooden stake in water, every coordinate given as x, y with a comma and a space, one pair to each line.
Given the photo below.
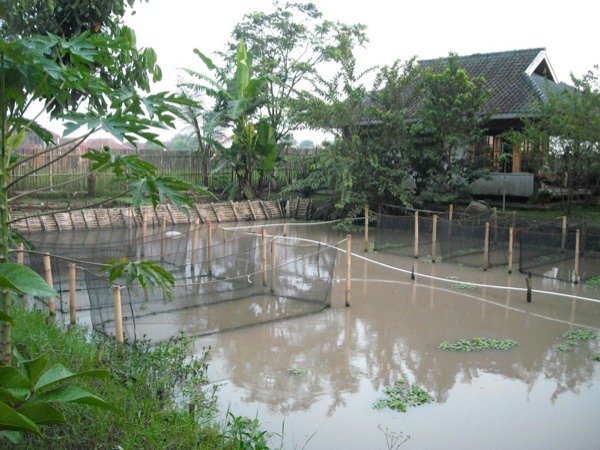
450, 218
273, 262
209, 248
577, 244
495, 222
264, 256
285, 229
20, 254
563, 244
434, 238
195, 237
348, 268
48, 277
486, 247
366, 228
72, 295
510, 248
118, 316
163, 232
416, 234
144, 230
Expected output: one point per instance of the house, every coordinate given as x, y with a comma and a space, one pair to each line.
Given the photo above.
516, 80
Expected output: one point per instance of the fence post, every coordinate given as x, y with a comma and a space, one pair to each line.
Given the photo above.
495, 222
72, 295
20, 254
450, 218
564, 234
144, 230
367, 228
273, 262
209, 248
577, 244
510, 248
163, 231
486, 247
48, 276
434, 238
195, 237
285, 229
264, 256
348, 268
416, 234
118, 316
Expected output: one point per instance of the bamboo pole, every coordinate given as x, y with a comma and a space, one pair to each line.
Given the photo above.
416, 234
285, 229
118, 316
495, 224
577, 244
450, 218
48, 277
273, 262
513, 219
434, 238
195, 237
366, 228
72, 295
144, 232
209, 248
510, 248
486, 247
264, 256
564, 234
20, 254
348, 268
163, 232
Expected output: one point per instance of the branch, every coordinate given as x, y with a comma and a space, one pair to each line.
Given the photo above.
71, 209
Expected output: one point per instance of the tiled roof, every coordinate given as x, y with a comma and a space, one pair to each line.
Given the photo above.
512, 89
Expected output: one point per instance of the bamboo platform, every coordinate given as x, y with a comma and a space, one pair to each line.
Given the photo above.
107, 218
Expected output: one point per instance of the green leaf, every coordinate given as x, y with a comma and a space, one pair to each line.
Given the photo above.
11, 420
6, 318
70, 394
35, 368
13, 396
13, 378
24, 280
59, 373
43, 414
13, 436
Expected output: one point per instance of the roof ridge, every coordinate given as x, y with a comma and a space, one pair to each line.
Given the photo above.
491, 54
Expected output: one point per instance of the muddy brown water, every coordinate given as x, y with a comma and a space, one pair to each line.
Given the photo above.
530, 397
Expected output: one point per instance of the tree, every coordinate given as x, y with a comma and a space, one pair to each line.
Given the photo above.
362, 166
67, 75
446, 131
253, 147
565, 135
288, 46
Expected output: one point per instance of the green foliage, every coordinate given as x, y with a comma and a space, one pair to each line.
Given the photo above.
596, 357
400, 395
580, 335
146, 273
244, 433
296, 371
23, 280
476, 344
593, 282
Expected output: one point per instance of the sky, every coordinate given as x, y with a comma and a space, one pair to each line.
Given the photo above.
398, 29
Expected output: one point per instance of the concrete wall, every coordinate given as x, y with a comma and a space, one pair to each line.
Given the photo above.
517, 185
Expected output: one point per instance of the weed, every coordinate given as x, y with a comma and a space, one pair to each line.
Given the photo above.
580, 335
399, 396
393, 439
596, 357
465, 286
244, 433
475, 344
296, 371
593, 282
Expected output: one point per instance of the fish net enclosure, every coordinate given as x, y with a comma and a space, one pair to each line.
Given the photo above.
551, 250
224, 279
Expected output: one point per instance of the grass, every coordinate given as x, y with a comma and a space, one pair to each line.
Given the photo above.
400, 395
593, 282
167, 400
477, 344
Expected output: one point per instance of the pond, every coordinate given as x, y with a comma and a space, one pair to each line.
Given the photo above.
531, 396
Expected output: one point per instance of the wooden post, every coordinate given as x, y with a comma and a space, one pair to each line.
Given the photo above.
118, 316
264, 256
48, 276
20, 254
513, 219
144, 230
209, 248
273, 262
434, 238
577, 243
510, 248
486, 247
564, 234
195, 238
366, 228
72, 297
416, 234
348, 268
450, 218
163, 232
495, 223
285, 229
528, 282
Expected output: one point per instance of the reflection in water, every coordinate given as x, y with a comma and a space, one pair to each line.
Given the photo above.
392, 331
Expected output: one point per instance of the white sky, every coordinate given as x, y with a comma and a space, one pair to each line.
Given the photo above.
426, 29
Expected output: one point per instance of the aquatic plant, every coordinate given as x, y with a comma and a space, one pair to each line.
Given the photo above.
394, 439
593, 282
475, 344
401, 395
580, 335
465, 286
596, 357
296, 371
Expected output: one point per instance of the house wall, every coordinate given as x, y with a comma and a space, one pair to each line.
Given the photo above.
516, 185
